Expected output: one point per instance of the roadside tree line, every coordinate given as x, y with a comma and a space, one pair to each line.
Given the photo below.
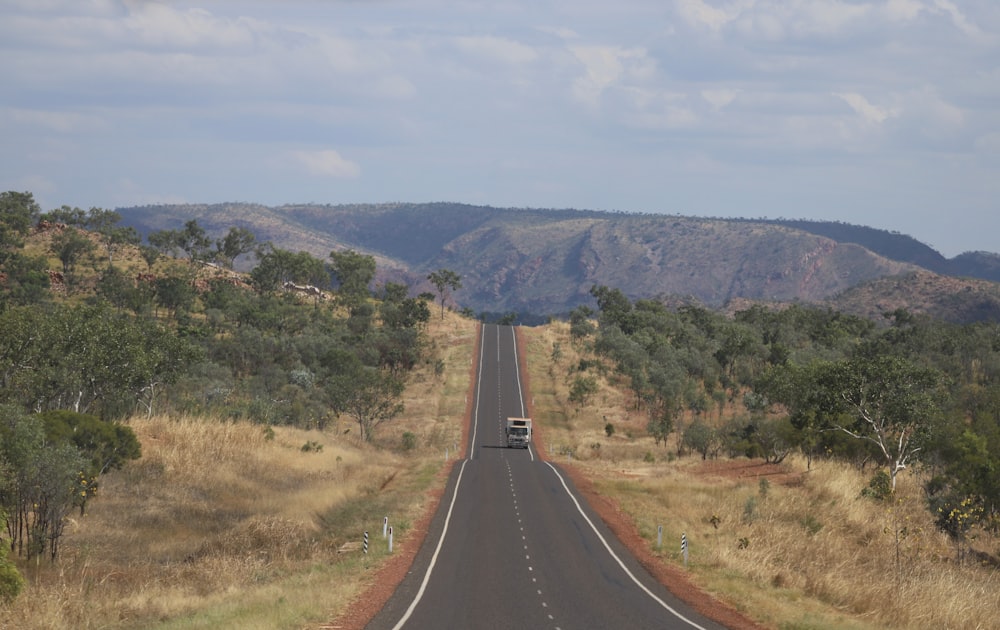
910, 391
179, 337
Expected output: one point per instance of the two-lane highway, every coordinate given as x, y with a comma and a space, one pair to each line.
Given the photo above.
514, 546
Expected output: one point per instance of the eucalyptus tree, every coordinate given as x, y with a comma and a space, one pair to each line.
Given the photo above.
113, 237
700, 437
445, 281
237, 242
27, 279
164, 242
276, 266
25, 276
399, 311
368, 395
18, 213
175, 292
580, 325
71, 246
115, 287
40, 486
66, 215
11, 581
353, 273
192, 240
86, 358
886, 401
615, 308
149, 254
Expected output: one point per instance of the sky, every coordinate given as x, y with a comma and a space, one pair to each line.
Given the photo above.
883, 113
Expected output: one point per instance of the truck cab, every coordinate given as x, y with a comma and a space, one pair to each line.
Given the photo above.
518, 432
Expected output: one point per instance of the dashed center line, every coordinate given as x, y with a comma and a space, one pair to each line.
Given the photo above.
524, 538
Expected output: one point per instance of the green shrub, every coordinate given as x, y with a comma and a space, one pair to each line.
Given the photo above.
582, 389
11, 582
879, 488
409, 441
811, 524
312, 447
763, 488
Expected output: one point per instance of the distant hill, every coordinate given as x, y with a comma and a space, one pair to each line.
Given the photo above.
903, 248
959, 300
545, 261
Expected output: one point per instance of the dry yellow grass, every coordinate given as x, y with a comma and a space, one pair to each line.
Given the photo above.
219, 527
230, 525
797, 550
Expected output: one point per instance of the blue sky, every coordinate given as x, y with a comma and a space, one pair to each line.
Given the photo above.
877, 112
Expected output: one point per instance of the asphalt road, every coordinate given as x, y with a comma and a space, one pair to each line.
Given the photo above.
514, 546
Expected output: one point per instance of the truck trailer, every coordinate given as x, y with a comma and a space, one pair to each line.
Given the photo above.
518, 432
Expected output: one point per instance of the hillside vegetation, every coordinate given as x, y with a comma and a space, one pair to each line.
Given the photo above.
796, 544
537, 262
186, 445
235, 524
180, 442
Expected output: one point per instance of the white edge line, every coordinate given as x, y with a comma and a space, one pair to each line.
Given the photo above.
615, 556
444, 532
454, 496
479, 384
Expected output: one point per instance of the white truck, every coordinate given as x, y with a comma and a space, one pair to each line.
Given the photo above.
518, 432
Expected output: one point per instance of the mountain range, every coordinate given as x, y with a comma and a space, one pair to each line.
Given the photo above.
545, 261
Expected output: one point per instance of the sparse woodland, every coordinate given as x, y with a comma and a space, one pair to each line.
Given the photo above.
791, 535
242, 430
96, 328
886, 397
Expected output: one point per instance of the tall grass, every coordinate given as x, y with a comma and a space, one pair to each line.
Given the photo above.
234, 525
802, 549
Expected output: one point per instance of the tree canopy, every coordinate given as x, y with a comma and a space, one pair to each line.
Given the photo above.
445, 281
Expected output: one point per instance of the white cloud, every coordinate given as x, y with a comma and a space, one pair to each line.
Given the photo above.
497, 49
798, 20
719, 98
560, 32
328, 163
702, 13
606, 66
434, 95
777, 20
347, 56
160, 24
959, 19
903, 10
865, 109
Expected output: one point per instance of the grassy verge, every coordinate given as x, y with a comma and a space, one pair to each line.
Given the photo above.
234, 525
225, 525
789, 547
